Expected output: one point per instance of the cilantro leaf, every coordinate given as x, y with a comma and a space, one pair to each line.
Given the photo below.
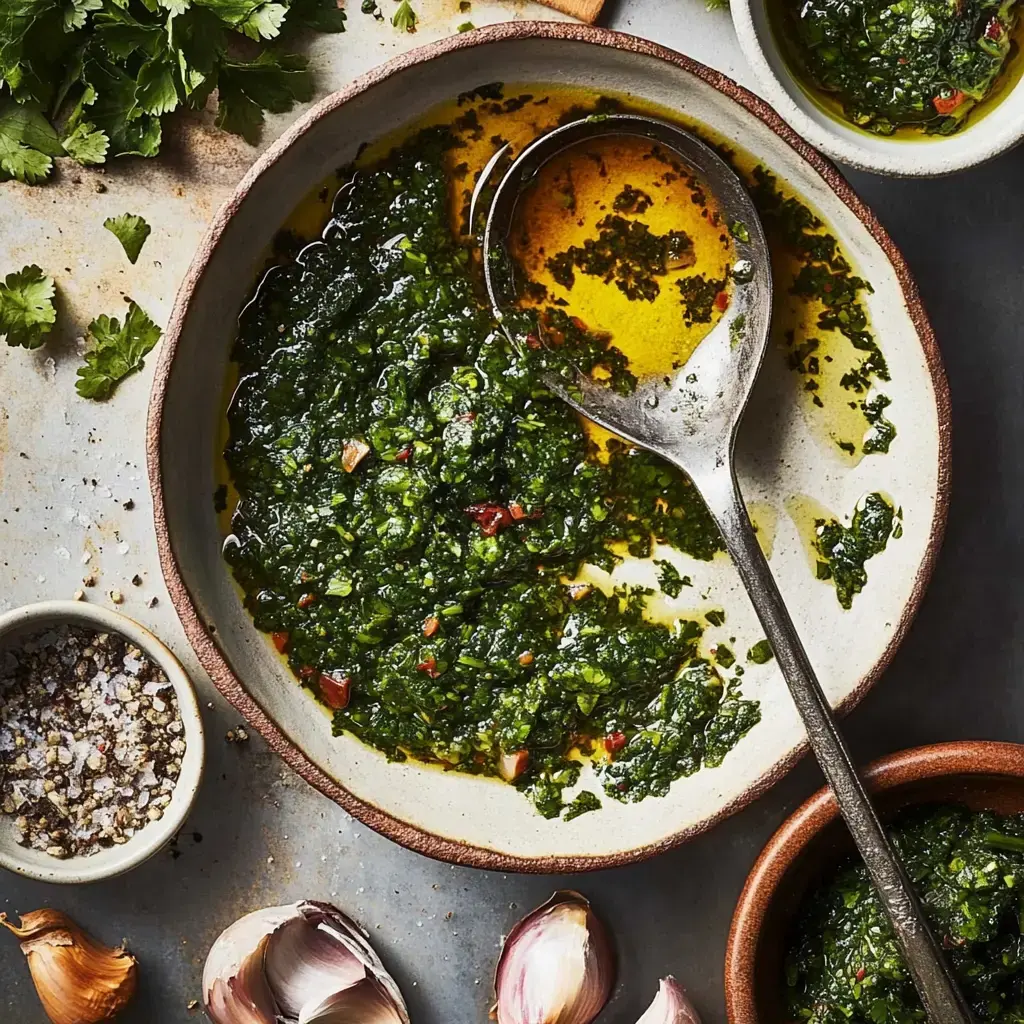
131, 231
155, 89
319, 15
118, 352
27, 142
272, 82
257, 19
27, 312
86, 144
110, 97
75, 15
404, 18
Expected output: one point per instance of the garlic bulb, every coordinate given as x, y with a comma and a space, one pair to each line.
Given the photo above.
305, 963
556, 967
79, 981
670, 1006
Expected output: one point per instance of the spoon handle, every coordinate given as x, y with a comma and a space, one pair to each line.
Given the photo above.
940, 995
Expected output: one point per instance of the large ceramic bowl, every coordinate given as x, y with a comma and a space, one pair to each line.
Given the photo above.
982, 139
476, 820
810, 843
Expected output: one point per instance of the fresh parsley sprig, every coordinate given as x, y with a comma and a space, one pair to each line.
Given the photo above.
92, 79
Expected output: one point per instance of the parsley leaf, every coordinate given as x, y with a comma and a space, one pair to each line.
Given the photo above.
118, 352
271, 82
27, 313
131, 231
405, 18
86, 144
27, 143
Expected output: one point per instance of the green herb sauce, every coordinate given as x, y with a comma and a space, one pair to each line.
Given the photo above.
842, 962
923, 64
844, 550
413, 506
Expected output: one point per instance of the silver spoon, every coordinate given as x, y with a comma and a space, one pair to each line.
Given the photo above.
691, 421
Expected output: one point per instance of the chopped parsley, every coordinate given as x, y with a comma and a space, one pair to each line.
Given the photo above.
669, 579
761, 653
581, 804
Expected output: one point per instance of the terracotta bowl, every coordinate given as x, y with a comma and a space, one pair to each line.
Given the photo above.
477, 820
811, 842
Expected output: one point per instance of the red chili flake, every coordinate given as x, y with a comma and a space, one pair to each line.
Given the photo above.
577, 322
994, 29
614, 742
101, 747
466, 417
862, 974
431, 624
518, 512
335, 691
491, 517
403, 455
947, 104
903, 60
429, 665
306, 600
526, 658
306, 672
722, 301
280, 641
532, 341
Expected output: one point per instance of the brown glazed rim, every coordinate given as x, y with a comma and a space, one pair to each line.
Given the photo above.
200, 637
963, 757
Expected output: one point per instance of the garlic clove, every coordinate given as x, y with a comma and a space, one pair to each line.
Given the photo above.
244, 996
79, 980
556, 966
670, 1006
291, 964
366, 1002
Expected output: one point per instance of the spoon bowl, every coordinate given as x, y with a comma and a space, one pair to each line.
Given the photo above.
695, 430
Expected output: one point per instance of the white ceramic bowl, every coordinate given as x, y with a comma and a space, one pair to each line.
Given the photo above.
34, 618
930, 156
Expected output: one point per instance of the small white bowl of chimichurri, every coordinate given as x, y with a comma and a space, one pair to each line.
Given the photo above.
915, 88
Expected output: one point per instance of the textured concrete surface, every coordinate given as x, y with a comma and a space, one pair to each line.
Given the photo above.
258, 834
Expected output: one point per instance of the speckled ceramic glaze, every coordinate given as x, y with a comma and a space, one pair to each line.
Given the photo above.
476, 820
982, 139
36, 618
813, 840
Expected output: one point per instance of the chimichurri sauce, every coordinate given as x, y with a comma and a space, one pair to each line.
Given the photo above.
843, 966
414, 507
920, 63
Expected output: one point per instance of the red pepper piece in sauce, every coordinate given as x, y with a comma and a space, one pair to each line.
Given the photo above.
532, 341
307, 672
722, 301
516, 511
431, 624
614, 742
429, 665
306, 600
947, 104
994, 29
280, 641
336, 692
403, 455
490, 517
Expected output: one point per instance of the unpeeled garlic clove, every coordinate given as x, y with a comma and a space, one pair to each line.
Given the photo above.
79, 980
556, 966
305, 963
670, 1006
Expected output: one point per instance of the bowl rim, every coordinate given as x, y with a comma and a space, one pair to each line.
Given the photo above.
922, 158
153, 837
957, 757
205, 643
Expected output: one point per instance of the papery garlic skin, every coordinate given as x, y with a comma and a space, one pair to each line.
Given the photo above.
305, 963
556, 966
670, 1006
79, 980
